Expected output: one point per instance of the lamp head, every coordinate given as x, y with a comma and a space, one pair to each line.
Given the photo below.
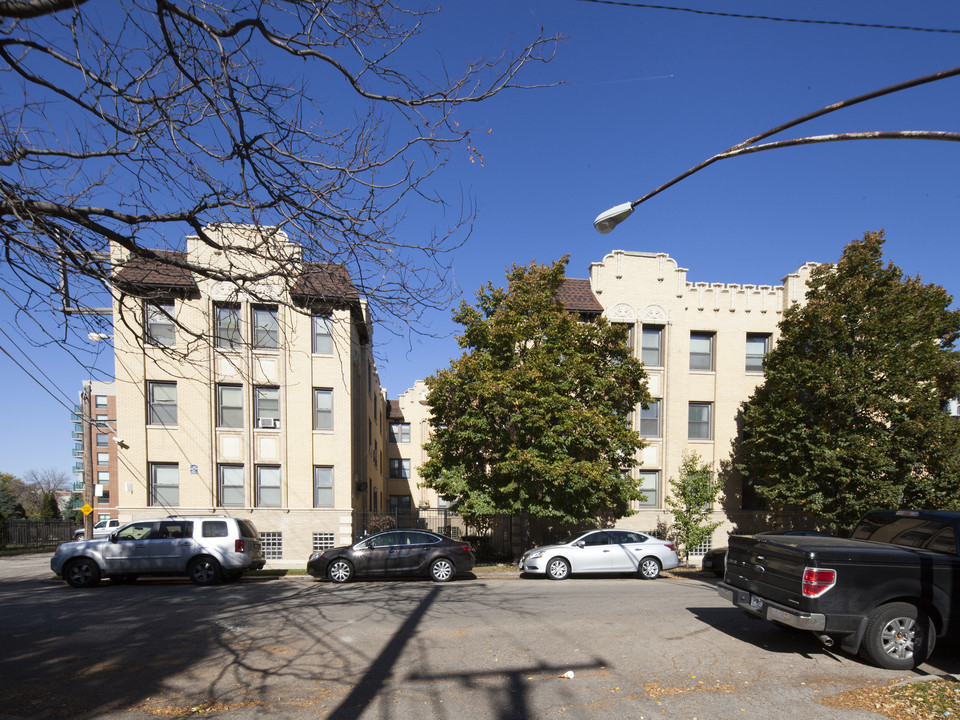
609, 219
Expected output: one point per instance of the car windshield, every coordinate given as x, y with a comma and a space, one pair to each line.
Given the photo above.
573, 538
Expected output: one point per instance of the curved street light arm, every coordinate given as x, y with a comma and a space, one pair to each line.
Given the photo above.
609, 219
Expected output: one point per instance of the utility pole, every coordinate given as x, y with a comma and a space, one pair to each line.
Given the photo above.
87, 429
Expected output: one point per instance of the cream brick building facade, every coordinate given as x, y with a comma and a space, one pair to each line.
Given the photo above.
702, 345
260, 401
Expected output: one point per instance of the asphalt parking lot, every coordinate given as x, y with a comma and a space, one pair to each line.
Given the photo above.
492, 646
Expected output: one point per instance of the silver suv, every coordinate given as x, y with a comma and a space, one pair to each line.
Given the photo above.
205, 548
101, 529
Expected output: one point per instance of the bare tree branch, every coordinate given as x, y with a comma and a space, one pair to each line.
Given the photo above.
142, 123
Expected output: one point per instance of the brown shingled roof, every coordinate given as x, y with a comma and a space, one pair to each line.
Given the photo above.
577, 296
325, 281
393, 410
149, 272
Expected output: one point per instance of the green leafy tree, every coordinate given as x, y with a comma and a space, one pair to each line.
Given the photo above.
532, 419
49, 507
691, 499
10, 487
851, 414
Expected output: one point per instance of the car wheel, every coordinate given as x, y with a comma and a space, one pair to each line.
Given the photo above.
441, 570
558, 569
649, 568
340, 571
204, 571
899, 636
82, 573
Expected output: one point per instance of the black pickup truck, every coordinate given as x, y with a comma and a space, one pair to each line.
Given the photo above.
886, 592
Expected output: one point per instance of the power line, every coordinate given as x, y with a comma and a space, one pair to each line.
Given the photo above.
740, 16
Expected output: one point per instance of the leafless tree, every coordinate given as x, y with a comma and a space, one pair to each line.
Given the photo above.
139, 123
37, 483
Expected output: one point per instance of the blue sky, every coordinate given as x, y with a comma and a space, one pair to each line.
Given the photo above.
647, 94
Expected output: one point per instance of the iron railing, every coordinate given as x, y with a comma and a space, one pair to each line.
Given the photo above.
35, 534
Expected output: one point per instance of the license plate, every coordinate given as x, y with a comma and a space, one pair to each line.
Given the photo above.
756, 602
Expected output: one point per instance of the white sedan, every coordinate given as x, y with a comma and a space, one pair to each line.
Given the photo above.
602, 551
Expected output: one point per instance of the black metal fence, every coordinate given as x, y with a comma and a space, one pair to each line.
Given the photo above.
34, 534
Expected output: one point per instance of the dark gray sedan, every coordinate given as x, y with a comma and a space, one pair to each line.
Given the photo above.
395, 552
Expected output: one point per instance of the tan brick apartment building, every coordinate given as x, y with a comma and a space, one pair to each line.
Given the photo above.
703, 346
259, 401
265, 402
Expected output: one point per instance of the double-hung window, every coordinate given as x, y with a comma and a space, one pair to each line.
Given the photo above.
161, 403
399, 432
227, 331
230, 406
159, 323
650, 420
700, 421
322, 409
268, 486
164, 484
399, 468
322, 486
231, 486
322, 335
701, 350
758, 345
266, 402
651, 346
266, 330
649, 486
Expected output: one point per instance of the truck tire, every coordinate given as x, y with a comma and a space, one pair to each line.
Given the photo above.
899, 636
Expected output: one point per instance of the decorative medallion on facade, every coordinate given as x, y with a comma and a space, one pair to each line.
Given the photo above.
653, 314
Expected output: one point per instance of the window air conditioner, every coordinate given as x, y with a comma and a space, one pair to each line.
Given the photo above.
268, 423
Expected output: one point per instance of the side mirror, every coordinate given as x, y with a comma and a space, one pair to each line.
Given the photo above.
580, 543
113, 537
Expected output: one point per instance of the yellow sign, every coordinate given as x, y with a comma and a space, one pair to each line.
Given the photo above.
86, 509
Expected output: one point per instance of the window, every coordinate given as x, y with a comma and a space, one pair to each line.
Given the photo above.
103, 458
103, 477
227, 327
758, 345
265, 328
399, 432
101, 423
272, 544
103, 440
323, 487
164, 484
401, 504
322, 409
161, 403
651, 345
322, 541
266, 401
231, 485
650, 420
268, 486
159, 323
701, 351
399, 468
322, 336
700, 421
629, 335
649, 485
100, 401
229, 406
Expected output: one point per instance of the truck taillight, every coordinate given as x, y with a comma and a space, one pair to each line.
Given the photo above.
816, 581
238, 545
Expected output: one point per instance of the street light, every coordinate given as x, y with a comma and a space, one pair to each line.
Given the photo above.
609, 219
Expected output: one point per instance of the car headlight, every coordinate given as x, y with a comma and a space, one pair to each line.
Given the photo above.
535, 555
316, 555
